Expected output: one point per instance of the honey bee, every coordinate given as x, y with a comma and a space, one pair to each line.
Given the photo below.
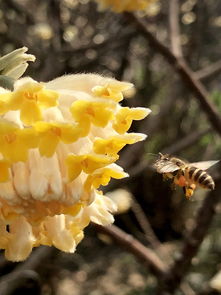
186, 175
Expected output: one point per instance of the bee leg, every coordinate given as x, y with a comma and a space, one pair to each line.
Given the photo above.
167, 176
189, 190
173, 186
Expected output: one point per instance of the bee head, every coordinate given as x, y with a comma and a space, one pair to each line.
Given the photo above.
165, 157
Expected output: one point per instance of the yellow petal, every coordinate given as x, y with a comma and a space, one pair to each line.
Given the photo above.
30, 112
84, 128
93, 162
42, 127
98, 113
4, 103
70, 133
47, 144
125, 116
30, 86
4, 170
103, 177
114, 144
48, 98
73, 210
112, 90
29, 137
16, 100
17, 152
74, 166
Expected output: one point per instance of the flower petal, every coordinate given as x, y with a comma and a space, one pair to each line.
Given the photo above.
30, 112
21, 240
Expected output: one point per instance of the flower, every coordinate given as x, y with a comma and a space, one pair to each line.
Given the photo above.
15, 63
13, 66
124, 5
59, 142
30, 98
122, 198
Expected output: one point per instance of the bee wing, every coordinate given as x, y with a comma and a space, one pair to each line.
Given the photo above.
163, 167
204, 165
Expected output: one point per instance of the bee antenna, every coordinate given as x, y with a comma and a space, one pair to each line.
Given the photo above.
152, 154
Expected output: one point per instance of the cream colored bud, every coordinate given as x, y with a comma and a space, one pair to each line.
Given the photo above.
15, 63
18, 71
122, 198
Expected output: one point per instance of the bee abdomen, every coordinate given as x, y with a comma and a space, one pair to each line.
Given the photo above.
207, 181
201, 177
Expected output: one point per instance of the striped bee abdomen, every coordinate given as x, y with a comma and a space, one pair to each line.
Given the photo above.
200, 177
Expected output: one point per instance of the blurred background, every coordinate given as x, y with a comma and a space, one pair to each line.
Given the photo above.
72, 36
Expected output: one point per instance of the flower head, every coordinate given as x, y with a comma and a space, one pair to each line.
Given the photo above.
59, 142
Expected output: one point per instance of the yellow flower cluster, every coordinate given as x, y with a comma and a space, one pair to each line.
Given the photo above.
58, 144
124, 5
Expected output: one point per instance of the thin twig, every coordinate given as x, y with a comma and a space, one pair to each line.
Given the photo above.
25, 273
186, 142
11, 283
145, 225
175, 28
146, 255
186, 74
209, 72
155, 242
192, 242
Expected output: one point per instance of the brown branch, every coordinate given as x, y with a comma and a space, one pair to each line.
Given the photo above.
184, 72
175, 28
146, 255
12, 282
209, 72
25, 273
145, 224
54, 18
155, 242
186, 142
192, 242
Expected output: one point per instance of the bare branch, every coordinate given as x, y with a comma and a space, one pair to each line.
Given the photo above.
25, 273
186, 141
192, 242
10, 283
145, 225
146, 255
209, 72
186, 74
174, 28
